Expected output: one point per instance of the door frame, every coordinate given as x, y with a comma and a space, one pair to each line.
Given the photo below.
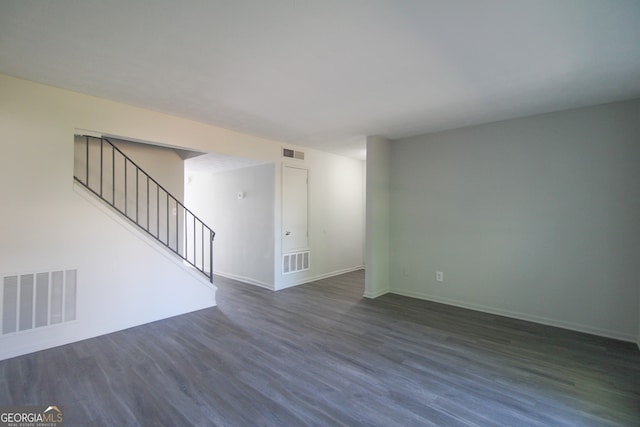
282, 225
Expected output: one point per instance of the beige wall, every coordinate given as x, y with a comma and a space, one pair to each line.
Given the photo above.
48, 223
165, 169
161, 163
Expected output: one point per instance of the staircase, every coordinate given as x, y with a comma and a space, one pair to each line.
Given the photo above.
118, 181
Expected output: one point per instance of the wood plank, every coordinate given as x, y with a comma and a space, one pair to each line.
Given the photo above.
320, 354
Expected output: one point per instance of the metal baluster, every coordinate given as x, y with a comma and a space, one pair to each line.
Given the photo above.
177, 228
213, 235
101, 149
113, 176
126, 212
170, 201
147, 203
202, 244
184, 230
194, 240
137, 196
158, 211
87, 162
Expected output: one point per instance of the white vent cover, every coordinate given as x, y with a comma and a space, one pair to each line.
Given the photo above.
294, 262
38, 299
292, 154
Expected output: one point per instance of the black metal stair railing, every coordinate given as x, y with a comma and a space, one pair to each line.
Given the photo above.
111, 175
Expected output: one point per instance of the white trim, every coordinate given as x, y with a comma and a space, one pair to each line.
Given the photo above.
521, 316
39, 343
282, 225
376, 294
288, 285
242, 279
85, 132
320, 277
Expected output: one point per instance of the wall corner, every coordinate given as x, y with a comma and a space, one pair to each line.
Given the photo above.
377, 217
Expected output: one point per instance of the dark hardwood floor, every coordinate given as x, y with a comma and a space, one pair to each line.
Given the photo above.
320, 354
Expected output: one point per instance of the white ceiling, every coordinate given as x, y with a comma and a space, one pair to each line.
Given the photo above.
217, 162
326, 73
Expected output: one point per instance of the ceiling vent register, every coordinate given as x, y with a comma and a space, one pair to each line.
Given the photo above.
292, 154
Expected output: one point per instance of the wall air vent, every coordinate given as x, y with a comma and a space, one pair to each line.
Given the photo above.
295, 262
292, 154
38, 299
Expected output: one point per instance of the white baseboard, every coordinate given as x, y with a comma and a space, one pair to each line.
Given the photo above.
244, 279
304, 280
376, 294
521, 316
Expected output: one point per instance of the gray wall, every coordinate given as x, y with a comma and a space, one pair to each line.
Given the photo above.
377, 217
536, 218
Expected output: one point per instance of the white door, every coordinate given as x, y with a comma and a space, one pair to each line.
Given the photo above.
294, 209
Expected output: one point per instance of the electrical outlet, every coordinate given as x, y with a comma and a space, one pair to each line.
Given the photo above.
439, 276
